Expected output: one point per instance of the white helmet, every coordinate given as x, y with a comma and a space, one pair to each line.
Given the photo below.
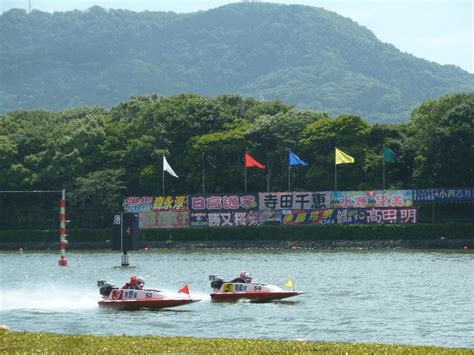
244, 275
138, 281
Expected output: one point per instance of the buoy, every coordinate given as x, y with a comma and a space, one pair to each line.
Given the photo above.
4, 329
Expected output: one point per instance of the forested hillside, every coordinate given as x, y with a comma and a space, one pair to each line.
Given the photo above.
306, 56
102, 155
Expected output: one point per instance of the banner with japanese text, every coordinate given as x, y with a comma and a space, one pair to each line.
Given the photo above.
294, 200
223, 210
224, 219
222, 202
351, 216
327, 216
376, 198
270, 216
444, 194
158, 203
391, 215
163, 219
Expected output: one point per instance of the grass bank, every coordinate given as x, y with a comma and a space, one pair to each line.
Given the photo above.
55, 343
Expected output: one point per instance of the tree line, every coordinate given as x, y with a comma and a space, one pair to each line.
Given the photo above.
102, 155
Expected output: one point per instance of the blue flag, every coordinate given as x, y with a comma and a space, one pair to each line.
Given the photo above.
294, 160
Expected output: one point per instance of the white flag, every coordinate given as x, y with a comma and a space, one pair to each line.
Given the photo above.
167, 167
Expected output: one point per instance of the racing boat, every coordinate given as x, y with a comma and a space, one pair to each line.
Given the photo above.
128, 299
255, 292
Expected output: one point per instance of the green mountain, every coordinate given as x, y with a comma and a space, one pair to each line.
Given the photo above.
306, 56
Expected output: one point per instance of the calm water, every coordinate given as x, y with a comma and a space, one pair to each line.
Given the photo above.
405, 297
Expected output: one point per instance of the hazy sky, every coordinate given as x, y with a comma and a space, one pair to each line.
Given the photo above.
437, 30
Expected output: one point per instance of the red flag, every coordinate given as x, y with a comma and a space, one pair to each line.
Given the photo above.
251, 162
184, 289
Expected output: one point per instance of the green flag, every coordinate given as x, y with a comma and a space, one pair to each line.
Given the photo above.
389, 156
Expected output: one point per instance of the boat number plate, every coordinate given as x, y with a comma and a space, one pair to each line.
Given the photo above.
130, 294
116, 294
227, 287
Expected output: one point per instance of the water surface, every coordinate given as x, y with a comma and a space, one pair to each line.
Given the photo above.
404, 297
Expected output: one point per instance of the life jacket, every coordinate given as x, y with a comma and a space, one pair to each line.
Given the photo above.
129, 286
238, 280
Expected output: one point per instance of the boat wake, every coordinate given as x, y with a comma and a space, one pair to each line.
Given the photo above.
49, 298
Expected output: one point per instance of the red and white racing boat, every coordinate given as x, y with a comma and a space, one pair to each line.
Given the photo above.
255, 292
128, 299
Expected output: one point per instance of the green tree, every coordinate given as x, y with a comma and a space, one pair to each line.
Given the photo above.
397, 175
226, 150
348, 133
73, 147
273, 135
440, 141
102, 188
8, 156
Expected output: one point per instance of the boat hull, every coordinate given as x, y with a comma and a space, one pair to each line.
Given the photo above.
145, 304
253, 296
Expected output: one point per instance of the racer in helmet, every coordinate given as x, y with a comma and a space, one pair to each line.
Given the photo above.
244, 278
135, 283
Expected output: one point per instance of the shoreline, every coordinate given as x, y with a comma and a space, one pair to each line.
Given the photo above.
27, 342
439, 243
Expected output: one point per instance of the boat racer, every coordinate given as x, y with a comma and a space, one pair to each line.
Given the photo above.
244, 278
135, 283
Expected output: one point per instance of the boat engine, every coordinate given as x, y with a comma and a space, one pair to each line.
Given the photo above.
216, 282
105, 288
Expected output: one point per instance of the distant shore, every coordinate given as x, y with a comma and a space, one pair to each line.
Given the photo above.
439, 243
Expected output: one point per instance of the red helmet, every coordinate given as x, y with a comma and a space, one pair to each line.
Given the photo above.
138, 281
244, 275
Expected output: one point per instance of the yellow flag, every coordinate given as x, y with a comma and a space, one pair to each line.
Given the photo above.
289, 283
343, 158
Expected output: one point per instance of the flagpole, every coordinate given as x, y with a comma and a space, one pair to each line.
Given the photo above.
245, 171
163, 182
268, 179
268, 174
245, 177
335, 170
383, 167
289, 171
203, 182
